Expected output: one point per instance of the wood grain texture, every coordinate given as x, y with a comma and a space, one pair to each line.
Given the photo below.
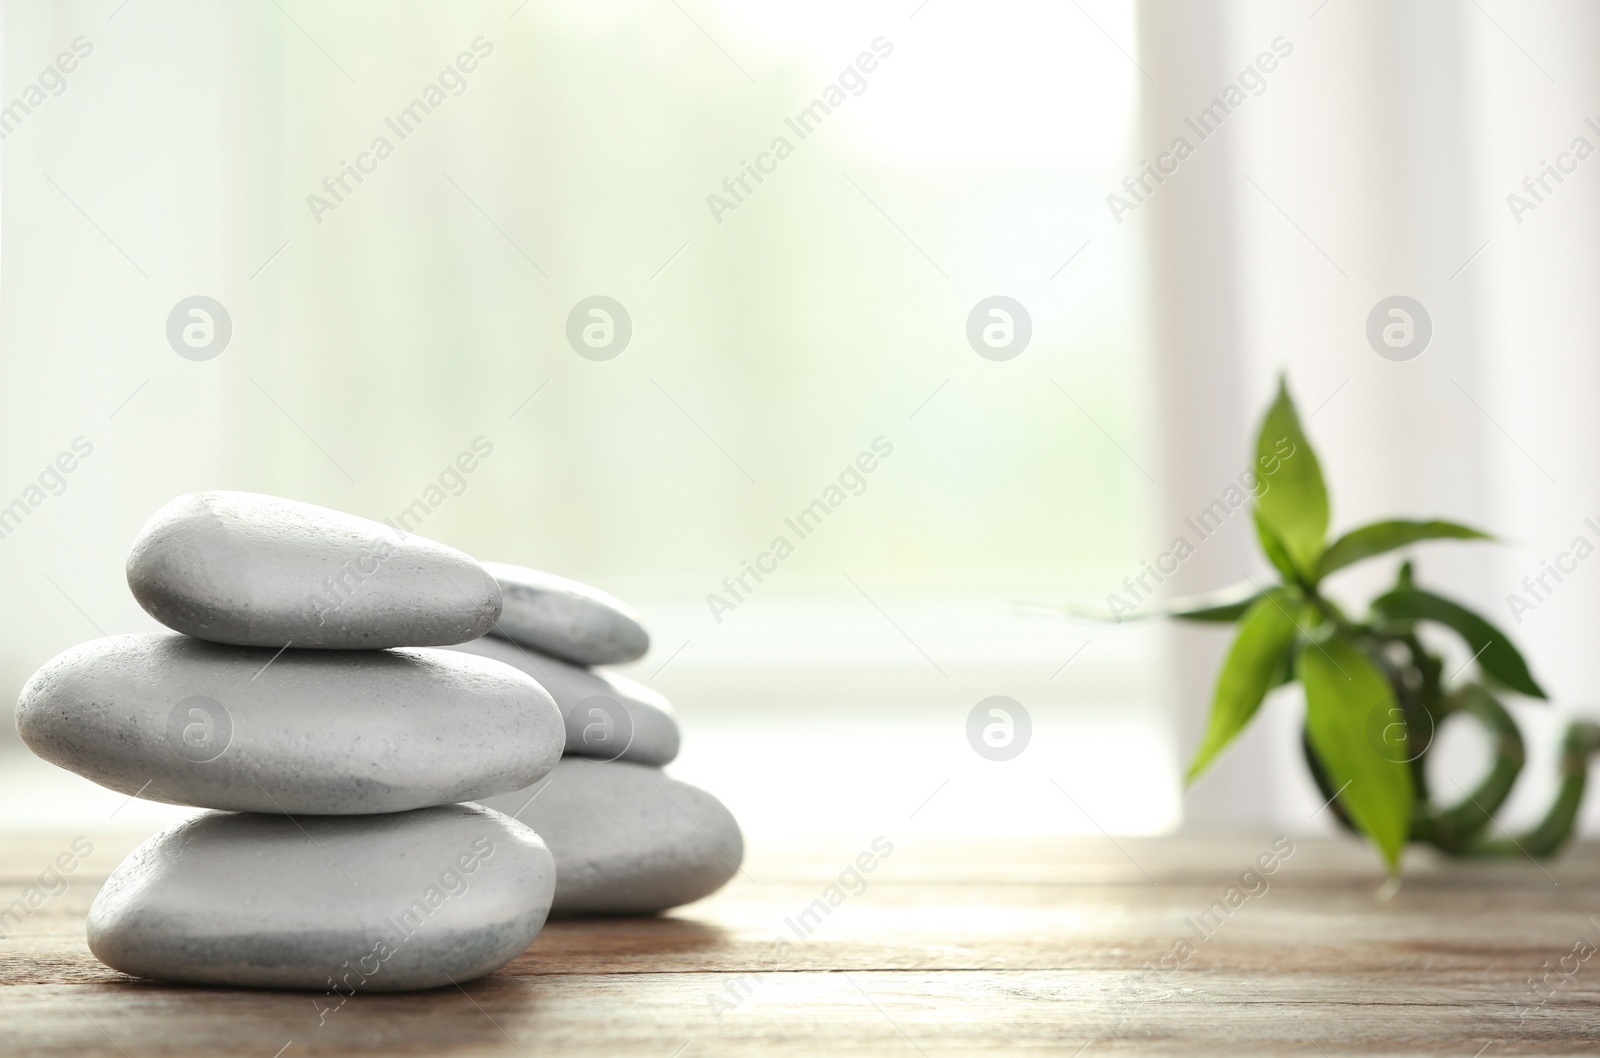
1016, 947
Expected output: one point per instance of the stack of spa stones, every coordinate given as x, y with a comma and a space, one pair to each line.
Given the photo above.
300, 697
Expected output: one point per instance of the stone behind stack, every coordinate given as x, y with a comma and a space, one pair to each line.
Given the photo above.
355, 869
608, 716
626, 838
565, 619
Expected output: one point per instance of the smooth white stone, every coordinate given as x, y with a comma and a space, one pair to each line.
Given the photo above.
627, 839
344, 905
180, 720
253, 570
608, 717
566, 619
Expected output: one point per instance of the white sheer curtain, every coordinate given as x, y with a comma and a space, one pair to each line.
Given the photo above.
374, 342
1376, 161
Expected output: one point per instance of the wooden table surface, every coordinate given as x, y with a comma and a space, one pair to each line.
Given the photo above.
1015, 947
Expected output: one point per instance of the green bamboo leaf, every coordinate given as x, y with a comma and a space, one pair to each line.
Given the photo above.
1273, 548
1228, 604
1493, 649
1379, 537
1219, 613
1294, 500
1286, 668
1253, 664
1343, 688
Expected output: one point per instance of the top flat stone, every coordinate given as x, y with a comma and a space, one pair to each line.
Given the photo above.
566, 619
253, 570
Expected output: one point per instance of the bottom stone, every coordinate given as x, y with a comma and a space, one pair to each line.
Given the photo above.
340, 904
627, 839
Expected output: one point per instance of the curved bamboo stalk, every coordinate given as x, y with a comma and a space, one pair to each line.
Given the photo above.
1457, 829
1580, 741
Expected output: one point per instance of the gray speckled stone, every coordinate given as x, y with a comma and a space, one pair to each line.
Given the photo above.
608, 717
253, 570
341, 905
627, 839
188, 722
566, 619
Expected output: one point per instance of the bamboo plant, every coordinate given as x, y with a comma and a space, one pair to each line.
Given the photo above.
1376, 695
